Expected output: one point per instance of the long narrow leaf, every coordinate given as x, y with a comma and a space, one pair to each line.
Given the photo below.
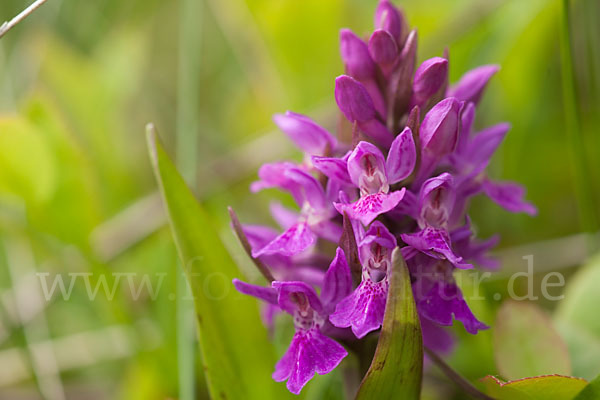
237, 357
397, 367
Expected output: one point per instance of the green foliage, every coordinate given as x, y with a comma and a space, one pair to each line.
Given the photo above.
28, 170
549, 387
526, 343
397, 367
591, 391
78, 81
238, 359
576, 319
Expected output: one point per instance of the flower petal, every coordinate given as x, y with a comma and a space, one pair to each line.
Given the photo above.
353, 99
445, 300
471, 85
481, 148
402, 157
383, 47
267, 294
436, 201
389, 18
355, 56
366, 167
285, 217
439, 130
435, 243
466, 125
368, 207
259, 235
305, 133
294, 240
286, 291
377, 131
337, 283
509, 196
435, 337
378, 233
363, 309
307, 188
272, 175
429, 78
333, 168
309, 352
327, 230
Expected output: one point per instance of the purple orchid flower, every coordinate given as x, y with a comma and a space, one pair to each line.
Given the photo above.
437, 296
436, 202
310, 350
368, 170
301, 230
363, 310
410, 189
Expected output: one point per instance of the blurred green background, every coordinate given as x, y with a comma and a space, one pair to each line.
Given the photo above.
80, 79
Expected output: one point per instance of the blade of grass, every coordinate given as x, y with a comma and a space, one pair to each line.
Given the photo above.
585, 200
190, 29
21, 266
237, 356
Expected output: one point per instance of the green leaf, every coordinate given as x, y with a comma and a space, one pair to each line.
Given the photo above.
237, 357
526, 343
575, 319
27, 166
397, 367
591, 391
549, 387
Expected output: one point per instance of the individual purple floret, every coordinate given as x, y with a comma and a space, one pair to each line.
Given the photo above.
363, 309
400, 173
310, 351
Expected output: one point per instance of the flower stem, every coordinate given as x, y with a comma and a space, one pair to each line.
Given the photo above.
7, 26
455, 377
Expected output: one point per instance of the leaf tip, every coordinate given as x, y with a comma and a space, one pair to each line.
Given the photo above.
151, 140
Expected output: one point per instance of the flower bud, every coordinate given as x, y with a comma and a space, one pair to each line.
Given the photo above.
383, 47
355, 56
389, 18
429, 78
353, 99
439, 130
